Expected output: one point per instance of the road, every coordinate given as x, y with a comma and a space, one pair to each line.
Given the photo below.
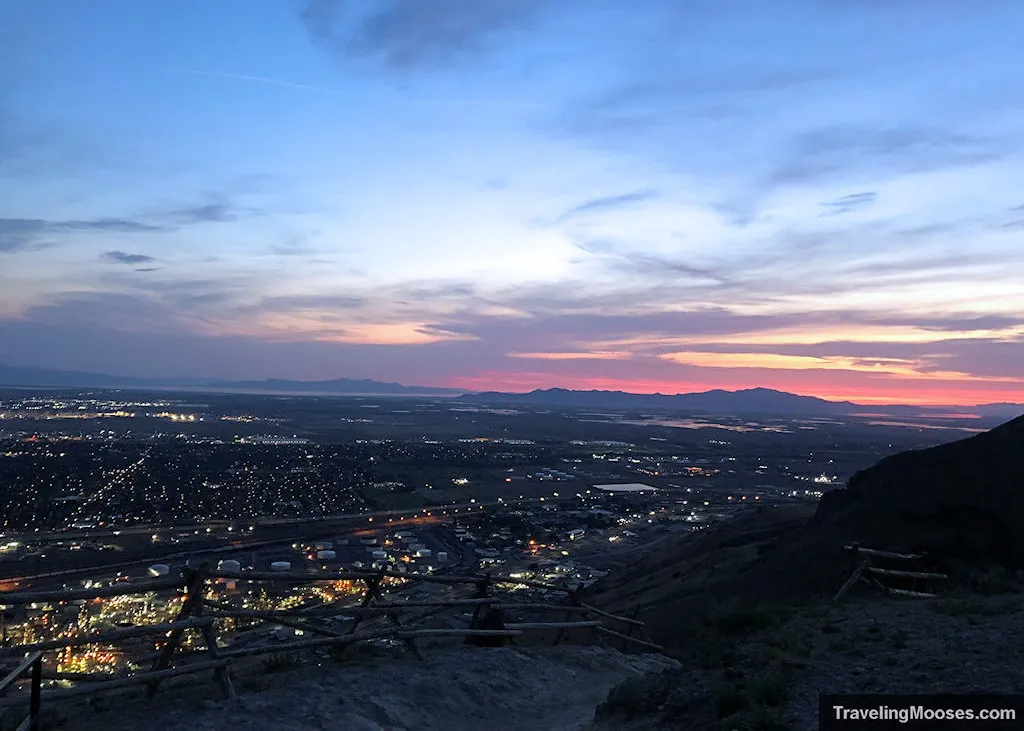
307, 529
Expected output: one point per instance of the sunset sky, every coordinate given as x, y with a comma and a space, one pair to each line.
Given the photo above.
819, 196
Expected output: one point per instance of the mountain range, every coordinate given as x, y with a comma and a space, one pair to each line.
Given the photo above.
47, 378
751, 401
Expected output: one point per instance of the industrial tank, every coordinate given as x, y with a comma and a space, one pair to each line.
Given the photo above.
326, 555
159, 569
280, 566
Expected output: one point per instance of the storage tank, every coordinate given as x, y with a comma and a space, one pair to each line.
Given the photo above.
229, 565
159, 569
326, 555
280, 566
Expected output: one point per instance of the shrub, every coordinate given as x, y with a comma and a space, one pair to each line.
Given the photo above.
729, 701
737, 618
280, 661
769, 690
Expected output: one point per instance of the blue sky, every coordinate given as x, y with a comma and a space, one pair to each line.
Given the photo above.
824, 196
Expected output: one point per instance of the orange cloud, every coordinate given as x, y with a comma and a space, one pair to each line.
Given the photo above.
891, 367
595, 355
817, 335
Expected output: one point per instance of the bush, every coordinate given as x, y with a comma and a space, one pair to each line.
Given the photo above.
769, 690
737, 618
729, 701
280, 661
992, 582
759, 718
899, 639
641, 695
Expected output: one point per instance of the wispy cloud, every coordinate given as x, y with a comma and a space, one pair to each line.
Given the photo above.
851, 202
122, 257
610, 202
22, 233
408, 34
391, 98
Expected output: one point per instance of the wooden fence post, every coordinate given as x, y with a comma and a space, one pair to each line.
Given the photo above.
575, 600
482, 592
194, 582
35, 701
210, 638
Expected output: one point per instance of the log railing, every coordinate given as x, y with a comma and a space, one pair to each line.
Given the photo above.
200, 612
861, 568
32, 662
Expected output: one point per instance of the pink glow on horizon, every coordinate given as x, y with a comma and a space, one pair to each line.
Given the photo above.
916, 393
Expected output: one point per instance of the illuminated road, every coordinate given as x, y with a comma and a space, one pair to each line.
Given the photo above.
309, 528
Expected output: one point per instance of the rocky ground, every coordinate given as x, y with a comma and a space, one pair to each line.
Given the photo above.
747, 666
463, 689
764, 667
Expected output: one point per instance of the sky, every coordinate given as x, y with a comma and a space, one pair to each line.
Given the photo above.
820, 196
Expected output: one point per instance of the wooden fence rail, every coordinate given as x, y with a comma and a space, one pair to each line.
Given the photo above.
201, 613
860, 567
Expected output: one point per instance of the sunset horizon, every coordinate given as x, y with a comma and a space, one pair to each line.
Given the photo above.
508, 195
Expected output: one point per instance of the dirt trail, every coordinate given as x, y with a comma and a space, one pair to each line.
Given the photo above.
539, 689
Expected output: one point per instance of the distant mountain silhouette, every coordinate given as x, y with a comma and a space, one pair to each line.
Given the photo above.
749, 401
47, 378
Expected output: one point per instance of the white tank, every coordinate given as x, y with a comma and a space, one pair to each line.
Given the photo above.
326, 555
159, 569
280, 566
229, 565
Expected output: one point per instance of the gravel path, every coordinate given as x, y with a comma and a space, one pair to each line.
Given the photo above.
549, 689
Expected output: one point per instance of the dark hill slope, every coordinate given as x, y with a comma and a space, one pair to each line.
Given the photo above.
961, 501
958, 500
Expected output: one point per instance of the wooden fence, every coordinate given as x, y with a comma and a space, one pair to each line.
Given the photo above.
32, 662
199, 612
862, 566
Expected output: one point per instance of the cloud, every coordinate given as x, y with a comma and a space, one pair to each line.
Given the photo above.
828, 151
217, 211
608, 203
851, 202
407, 34
125, 258
22, 233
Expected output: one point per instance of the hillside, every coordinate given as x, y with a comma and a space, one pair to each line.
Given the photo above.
958, 501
